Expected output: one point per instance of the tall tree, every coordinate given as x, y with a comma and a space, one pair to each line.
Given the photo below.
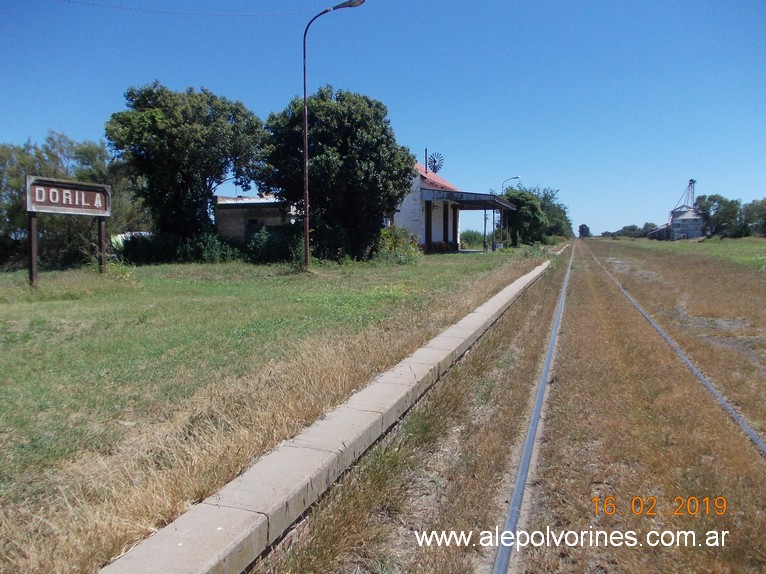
358, 174
583, 230
754, 214
556, 212
721, 216
528, 222
181, 146
648, 226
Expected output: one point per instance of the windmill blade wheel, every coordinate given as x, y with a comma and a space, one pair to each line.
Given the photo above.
435, 161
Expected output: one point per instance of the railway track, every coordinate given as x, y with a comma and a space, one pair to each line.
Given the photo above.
504, 552
632, 445
650, 441
722, 401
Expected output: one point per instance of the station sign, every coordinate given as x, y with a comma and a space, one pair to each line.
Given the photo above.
46, 195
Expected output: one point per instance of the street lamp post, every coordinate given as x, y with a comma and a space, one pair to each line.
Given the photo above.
502, 189
306, 251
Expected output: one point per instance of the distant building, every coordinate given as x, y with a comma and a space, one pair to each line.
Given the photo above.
241, 217
685, 221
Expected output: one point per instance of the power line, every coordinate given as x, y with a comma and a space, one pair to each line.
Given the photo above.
180, 12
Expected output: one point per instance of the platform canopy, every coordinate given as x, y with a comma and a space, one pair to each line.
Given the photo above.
466, 200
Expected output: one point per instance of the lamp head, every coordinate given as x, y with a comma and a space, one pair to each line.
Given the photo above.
348, 4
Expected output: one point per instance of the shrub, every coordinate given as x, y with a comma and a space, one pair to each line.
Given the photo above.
141, 249
396, 245
169, 248
471, 239
276, 244
207, 248
536, 250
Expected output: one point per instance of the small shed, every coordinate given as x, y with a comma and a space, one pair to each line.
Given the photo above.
239, 218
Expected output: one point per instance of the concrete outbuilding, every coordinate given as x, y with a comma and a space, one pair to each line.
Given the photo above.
239, 218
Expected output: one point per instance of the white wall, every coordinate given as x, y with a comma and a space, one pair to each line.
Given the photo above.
411, 216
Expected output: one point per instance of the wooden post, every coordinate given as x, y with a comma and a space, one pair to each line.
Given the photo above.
455, 235
101, 244
429, 225
445, 223
32, 248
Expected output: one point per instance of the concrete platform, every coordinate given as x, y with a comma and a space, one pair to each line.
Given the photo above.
229, 530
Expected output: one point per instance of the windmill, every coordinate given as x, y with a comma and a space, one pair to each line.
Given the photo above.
435, 162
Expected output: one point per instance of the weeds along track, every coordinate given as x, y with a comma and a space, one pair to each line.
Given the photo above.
636, 448
443, 467
741, 422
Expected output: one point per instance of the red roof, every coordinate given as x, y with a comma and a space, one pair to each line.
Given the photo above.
432, 180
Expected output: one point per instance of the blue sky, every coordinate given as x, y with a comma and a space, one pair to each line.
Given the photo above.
617, 104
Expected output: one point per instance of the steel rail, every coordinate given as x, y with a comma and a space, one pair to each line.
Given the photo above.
697, 373
503, 557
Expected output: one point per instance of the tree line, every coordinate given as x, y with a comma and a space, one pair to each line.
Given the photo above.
168, 153
730, 218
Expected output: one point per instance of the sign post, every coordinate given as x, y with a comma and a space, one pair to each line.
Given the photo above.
32, 248
46, 195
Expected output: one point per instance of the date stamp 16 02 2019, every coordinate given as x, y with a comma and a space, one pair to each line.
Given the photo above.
649, 506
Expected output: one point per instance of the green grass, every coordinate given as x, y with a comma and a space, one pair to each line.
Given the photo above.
83, 356
748, 251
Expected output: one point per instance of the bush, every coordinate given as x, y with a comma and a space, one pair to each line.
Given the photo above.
471, 239
140, 249
397, 246
12, 253
207, 248
276, 244
536, 250
168, 248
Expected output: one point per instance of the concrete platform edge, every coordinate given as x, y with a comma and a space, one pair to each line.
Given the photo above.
230, 529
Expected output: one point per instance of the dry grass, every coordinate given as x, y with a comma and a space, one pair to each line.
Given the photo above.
713, 309
627, 419
490, 436
443, 466
101, 504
